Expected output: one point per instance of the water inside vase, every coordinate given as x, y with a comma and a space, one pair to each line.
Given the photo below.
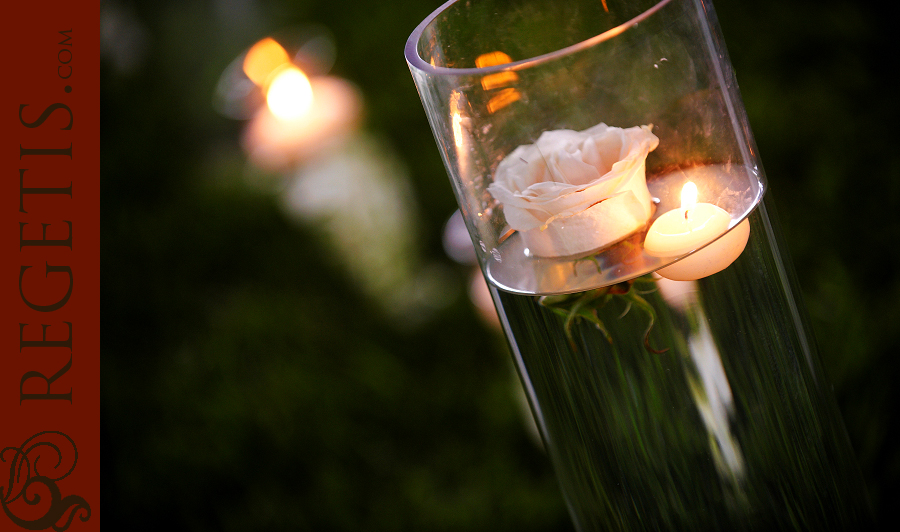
686, 405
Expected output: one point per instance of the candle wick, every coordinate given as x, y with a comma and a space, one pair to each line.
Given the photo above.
686, 214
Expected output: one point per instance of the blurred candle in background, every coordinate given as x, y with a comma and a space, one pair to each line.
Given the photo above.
302, 116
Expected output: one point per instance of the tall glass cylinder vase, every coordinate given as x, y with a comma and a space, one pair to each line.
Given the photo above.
601, 157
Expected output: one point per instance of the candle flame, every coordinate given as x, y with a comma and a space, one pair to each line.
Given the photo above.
290, 94
263, 59
688, 195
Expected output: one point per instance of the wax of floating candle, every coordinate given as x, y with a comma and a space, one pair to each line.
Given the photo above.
690, 228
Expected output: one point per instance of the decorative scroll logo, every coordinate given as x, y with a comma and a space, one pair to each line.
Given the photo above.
34, 469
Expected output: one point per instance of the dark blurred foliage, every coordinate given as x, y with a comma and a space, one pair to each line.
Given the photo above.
249, 385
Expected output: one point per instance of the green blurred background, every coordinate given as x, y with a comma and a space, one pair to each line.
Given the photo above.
260, 370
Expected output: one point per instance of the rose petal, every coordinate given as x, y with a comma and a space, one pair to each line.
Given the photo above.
566, 172
571, 169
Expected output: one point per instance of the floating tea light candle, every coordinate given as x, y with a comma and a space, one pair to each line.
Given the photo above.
690, 228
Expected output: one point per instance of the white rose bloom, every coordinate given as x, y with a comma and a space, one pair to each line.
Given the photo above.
573, 192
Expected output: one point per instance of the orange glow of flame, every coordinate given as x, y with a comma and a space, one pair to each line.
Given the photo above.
263, 59
491, 59
457, 129
502, 99
290, 94
688, 195
500, 79
456, 117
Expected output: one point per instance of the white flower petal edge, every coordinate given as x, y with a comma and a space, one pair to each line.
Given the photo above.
572, 192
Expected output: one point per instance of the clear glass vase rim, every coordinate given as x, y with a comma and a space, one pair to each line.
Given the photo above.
414, 60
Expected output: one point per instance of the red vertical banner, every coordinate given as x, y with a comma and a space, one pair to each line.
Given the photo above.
50, 267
